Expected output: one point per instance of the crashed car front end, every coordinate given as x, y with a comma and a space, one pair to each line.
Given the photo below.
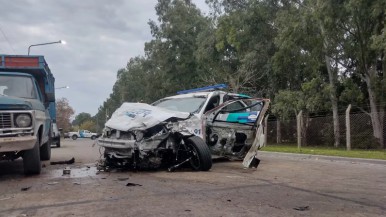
141, 136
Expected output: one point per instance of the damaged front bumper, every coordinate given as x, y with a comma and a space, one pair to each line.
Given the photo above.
116, 143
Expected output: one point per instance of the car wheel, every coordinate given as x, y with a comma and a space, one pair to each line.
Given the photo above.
93, 137
31, 160
201, 157
58, 143
45, 150
74, 137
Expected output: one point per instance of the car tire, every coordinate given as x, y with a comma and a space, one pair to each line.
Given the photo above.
58, 143
45, 149
202, 158
93, 137
74, 137
31, 160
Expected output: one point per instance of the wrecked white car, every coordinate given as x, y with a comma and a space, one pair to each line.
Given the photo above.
141, 136
190, 127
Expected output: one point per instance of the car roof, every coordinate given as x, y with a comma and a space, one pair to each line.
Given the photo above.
188, 95
204, 94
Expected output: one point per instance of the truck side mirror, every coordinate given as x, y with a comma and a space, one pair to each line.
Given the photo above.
50, 97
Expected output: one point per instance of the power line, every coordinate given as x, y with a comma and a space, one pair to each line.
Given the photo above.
6, 39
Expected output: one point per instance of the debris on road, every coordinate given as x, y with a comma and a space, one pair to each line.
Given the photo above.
122, 178
52, 183
71, 161
6, 198
132, 184
302, 208
76, 183
26, 188
67, 171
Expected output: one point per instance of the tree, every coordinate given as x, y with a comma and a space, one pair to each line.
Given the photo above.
363, 52
238, 47
171, 52
80, 118
88, 125
64, 112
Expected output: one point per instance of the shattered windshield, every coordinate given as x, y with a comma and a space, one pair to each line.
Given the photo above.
17, 86
190, 104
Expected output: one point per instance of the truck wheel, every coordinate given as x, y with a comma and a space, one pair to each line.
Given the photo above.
201, 156
93, 137
58, 143
45, 150
74, 137
31, 160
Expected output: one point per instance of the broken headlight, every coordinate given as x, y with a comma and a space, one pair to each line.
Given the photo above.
138, 135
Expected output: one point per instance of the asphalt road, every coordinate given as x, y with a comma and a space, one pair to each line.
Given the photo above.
280, 186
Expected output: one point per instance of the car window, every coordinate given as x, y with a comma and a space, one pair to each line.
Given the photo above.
236, 106
189, 104
212, 103
18, 86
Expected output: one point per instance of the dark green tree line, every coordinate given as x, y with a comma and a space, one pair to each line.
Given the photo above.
311, 55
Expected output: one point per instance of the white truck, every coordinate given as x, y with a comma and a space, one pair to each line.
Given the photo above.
82, 134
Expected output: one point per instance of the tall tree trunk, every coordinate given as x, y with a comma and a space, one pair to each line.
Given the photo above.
332, 82
377, 114
278, 131
334, 101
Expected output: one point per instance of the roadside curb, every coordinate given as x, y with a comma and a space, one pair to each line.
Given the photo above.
321, 157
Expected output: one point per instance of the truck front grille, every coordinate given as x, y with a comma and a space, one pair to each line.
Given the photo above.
5, 120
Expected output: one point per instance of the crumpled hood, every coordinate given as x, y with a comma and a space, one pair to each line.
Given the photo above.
141, 116
14, 103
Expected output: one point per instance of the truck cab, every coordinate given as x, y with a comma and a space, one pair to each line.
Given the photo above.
27, 105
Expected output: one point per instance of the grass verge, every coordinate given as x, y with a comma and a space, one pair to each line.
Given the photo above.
369, 154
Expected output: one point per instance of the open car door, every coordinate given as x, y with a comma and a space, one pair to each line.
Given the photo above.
235, 130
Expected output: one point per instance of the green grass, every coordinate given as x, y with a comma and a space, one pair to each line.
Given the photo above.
370, 154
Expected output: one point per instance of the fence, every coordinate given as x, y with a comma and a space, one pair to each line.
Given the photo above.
355, 131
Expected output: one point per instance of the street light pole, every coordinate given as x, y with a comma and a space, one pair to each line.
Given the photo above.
55, 42
62, 87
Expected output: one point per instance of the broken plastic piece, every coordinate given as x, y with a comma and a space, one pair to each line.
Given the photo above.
71, 161
66, 171
302, 208
132, 184
26, 188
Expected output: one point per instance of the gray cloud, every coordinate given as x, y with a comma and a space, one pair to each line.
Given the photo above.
101, 37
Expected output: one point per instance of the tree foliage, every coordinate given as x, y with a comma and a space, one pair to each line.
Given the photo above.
80, 118
64, 112
311, 55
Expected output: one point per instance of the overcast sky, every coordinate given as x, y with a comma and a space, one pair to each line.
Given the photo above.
101, 37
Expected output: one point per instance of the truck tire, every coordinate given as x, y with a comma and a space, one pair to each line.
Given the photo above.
202, 158
74, 137
93, 137
45, 150
31, 160
58, 143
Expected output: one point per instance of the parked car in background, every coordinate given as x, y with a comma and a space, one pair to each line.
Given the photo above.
66, 135
82, 134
